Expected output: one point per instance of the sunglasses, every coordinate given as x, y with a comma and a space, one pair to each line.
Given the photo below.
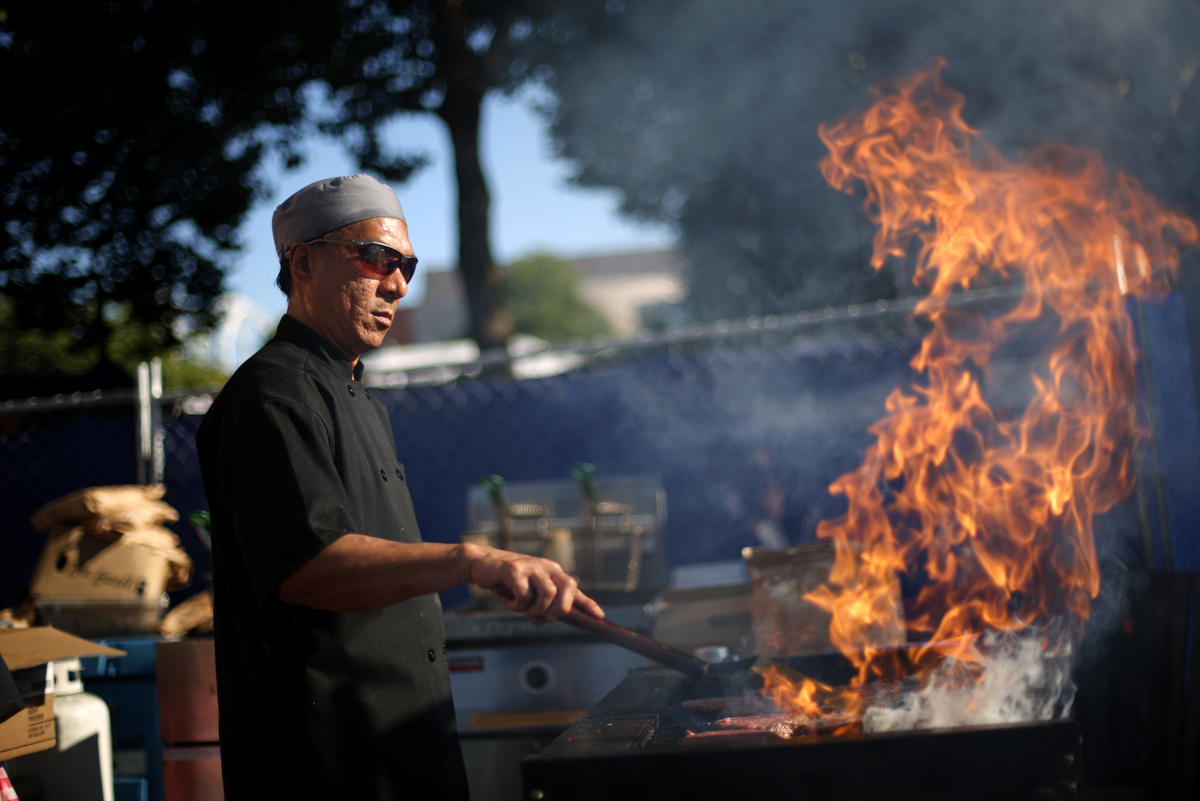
378, 260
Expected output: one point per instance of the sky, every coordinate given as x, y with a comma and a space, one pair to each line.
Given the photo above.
533, 207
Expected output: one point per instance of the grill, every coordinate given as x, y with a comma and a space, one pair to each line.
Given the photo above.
630, 746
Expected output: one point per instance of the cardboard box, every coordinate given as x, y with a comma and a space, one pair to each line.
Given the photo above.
30, 730
27, 650
699, 617
75, 564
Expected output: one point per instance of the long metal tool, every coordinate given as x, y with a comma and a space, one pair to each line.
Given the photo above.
629, 639
674, 658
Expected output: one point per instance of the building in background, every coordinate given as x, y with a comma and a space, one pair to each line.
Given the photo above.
632, 290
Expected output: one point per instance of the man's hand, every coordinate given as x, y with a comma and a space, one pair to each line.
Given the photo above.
540, 587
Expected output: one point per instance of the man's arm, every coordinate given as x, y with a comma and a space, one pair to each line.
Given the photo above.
357, 573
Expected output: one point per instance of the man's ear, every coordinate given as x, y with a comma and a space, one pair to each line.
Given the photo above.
299, 264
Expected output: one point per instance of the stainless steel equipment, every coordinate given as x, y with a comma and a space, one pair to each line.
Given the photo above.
513, 678
517, 685
609, 536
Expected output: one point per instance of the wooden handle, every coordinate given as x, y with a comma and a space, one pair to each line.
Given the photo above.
629, 639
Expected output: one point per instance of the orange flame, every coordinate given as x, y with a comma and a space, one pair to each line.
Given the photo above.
793, 697
996, 508
808, 696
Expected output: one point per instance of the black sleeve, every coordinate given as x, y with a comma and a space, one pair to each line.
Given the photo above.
280, 480
10, 699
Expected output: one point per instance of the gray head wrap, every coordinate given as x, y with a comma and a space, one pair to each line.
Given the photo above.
331, 203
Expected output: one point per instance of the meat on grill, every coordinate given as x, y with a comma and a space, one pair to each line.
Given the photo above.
782, 725
750, 717
726, 736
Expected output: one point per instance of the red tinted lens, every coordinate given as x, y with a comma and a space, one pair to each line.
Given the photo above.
380, 261
372, 270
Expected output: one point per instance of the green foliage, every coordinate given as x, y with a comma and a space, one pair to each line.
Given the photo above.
182, 373
31, 351
543, 297
134, 341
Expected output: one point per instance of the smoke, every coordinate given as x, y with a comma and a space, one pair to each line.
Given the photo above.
727, 424
1015, 679
704, 115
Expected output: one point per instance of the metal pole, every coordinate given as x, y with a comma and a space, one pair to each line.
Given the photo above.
150, 433
145, 424
158, 435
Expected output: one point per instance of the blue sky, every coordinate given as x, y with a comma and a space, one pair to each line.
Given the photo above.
533, 207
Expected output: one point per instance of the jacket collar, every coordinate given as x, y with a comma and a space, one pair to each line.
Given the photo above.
293, 331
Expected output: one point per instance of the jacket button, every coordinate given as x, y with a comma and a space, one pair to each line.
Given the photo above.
351, 388
383, 473
367, 392
432, 655
398, 475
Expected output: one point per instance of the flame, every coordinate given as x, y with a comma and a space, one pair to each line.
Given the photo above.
808, 696
994, 509
793, 697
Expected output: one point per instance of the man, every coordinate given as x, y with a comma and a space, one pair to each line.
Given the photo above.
331, 669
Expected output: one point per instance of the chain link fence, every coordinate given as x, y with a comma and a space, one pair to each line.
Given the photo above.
744, 422
47, 451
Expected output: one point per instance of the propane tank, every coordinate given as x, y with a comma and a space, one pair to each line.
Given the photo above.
79, 767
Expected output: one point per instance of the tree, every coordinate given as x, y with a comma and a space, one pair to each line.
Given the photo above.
35, 362
705, 116
543, 294
126, 188
128, 150
440, 57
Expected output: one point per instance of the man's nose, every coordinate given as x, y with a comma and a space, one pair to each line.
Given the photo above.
394, 286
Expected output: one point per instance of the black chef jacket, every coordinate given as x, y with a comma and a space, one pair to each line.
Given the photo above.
324, 705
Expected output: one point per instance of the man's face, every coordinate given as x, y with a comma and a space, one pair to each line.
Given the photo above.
350, 307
